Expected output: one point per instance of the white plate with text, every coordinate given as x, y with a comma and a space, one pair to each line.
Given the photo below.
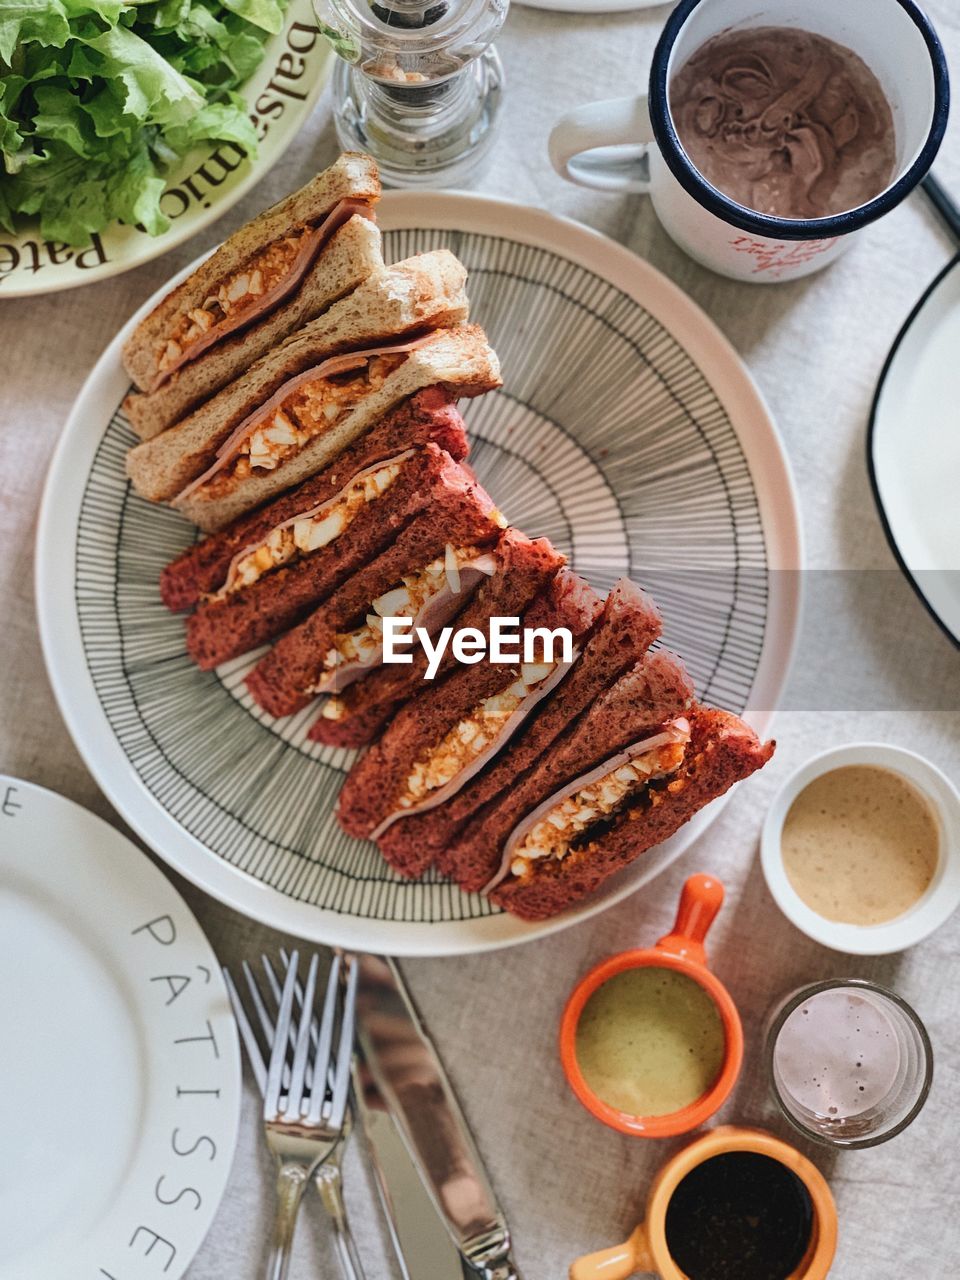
119, 1062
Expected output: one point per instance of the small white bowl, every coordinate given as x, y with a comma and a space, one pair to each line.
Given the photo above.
942, 896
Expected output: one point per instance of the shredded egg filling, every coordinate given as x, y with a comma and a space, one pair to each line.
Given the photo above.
310, 410
297, 538
238, 293
553, 835
415, 591
471, 735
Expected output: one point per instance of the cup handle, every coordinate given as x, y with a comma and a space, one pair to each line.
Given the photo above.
618, 1263
701, 899
620, 122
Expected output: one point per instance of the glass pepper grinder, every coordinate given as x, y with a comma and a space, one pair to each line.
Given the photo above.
418, 84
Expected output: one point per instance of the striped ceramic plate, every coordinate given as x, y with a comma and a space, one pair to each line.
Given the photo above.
627, 431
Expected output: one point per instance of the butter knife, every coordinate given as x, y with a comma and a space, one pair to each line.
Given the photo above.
421, 1242
410, 1079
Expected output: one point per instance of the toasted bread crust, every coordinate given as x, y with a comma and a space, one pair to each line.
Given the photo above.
347, 259
202, 568
352, 175
722, 751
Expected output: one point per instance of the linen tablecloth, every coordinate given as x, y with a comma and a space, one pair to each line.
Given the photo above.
872, 665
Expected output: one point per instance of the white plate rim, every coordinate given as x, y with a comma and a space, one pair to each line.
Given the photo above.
56, 548
153, 246
149, 882
948, 622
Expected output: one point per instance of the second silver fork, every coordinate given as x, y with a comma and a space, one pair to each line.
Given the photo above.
319, 1149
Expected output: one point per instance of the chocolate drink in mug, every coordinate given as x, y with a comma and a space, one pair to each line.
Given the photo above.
785, 122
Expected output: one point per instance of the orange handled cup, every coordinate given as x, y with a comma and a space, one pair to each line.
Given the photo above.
647, 1249
682, 951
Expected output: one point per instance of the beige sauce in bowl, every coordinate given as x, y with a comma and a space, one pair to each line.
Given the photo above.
860, 845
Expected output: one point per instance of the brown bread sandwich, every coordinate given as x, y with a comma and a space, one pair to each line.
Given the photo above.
619, 638
277, 273
518, 569
298, 408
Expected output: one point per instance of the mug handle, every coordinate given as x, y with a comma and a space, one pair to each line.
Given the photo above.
701, 899
618, 1263
620, 122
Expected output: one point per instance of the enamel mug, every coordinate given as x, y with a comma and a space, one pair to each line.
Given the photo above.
643, 153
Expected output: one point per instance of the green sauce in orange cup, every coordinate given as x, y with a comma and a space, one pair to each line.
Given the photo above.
650, 1039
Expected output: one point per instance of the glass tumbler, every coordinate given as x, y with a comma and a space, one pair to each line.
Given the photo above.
849, 1063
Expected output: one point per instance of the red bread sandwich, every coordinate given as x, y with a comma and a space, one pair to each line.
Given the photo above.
638, 766
427, 574
203, 568
626, 627
520, 568
448, 732
275, 583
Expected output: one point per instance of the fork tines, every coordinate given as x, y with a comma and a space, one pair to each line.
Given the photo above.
287, 1044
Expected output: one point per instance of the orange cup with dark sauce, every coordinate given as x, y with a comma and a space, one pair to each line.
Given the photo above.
680, 952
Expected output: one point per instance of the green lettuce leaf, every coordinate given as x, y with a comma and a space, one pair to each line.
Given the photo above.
155, 91
44, 21
100, 98
266, 14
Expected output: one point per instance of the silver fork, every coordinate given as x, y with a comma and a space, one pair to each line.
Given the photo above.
328, 1178
305, 1091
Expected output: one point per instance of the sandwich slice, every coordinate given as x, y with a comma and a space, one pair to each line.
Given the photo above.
298, 408
275, 581
638, 766
447, 733
427, 573
519, 568
275, 274
621, 635
203, 569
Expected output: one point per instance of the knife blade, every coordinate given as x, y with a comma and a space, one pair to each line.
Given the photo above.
407, 1071
421, 1242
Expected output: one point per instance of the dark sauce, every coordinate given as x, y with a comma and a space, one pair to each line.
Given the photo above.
739, 1216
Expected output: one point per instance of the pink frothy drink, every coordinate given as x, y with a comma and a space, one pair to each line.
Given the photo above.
849, 1062
838, 1055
